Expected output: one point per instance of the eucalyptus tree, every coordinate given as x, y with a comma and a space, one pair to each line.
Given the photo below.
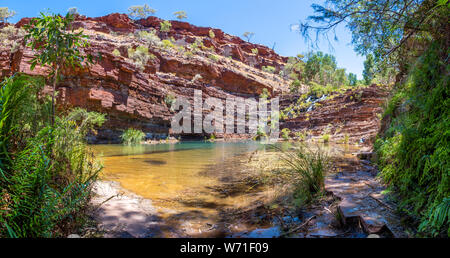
248, 35
140, 11
180, 15
5, 14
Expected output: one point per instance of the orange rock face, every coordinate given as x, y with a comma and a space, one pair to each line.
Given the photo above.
134, 95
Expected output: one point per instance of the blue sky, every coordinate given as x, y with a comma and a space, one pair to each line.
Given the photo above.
270, 20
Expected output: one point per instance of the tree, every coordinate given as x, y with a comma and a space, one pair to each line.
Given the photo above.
5, 14
180, 15
352, 79
380, 27
248, 35
369, 69
136, 12
73, 10
57, 46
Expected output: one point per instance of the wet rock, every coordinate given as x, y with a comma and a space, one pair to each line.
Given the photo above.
73, 236
373, 236
365, 155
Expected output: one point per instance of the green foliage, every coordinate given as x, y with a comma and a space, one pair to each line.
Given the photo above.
180, 15
56, 45
167, 44
116, 52
211, 34
140, 56
213, 57
352, 79
169, 99
165, 26
260, 133
269, 69
5, 14
149, 37
369, 69
264, 94
326, 138
301, 136
295, 85
140, 11
132, 136
285, 133
46, 171
308, 168
255, 51
413, 152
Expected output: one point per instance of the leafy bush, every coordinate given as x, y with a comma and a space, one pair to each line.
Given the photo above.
326, 138
165, 26
211, 34
213, 57
46, 171
132, 136
285, 133
168, 44
149, 37
268, 69
255, 51
140, 56
169, 100
116, 52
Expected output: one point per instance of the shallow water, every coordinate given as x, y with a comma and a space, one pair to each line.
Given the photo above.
183, 179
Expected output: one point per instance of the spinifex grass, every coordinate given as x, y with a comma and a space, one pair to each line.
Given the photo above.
308, 167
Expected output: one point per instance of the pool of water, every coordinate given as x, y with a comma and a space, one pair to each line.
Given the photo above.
183, 179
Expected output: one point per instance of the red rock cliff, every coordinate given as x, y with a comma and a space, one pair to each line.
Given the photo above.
133, 94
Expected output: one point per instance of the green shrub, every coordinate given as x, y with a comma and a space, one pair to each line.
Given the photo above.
149, 37
211, 34
308, 168
116, 52
168, 44
169, 100
255, 51
132, 136
285, 133
326, 138
300, 136
268, 69
46, 171
213, 57
165, 26
295, 85
140, 56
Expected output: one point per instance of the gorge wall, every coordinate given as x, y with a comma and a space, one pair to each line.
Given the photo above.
141, 68
133, 91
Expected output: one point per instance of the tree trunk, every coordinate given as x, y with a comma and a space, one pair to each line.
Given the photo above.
55, 80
